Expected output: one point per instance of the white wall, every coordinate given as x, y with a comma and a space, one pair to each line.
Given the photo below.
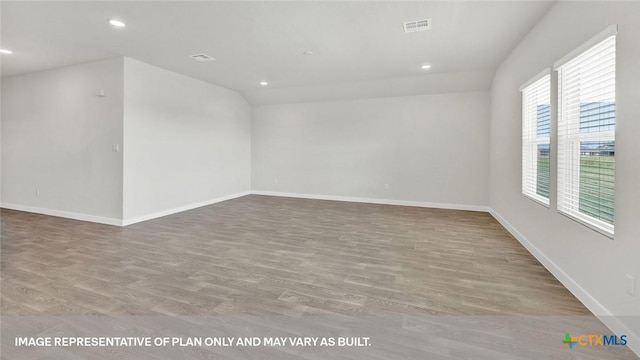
57, 139
421, 84
591, 265
186, 142
429, 148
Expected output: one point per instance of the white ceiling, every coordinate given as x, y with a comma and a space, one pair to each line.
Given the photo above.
357, 45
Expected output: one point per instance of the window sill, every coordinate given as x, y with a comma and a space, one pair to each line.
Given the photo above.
591, 226
537, 200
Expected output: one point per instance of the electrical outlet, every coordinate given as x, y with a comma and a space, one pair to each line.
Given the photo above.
37, 192
631, 287
115, 148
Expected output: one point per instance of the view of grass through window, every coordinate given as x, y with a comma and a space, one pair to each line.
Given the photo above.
543, 130
597, 168
542, 183
597, 162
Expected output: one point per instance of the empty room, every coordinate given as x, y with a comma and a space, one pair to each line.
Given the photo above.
320, 180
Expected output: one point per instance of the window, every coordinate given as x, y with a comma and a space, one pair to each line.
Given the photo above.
586, 132
536, 129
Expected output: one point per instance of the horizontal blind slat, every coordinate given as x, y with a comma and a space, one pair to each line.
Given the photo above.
536, 116
586, 136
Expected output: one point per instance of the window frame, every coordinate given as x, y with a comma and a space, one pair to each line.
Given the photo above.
530, 139
573, 139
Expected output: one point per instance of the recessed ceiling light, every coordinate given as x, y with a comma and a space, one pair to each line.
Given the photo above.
307, 53
264, 83
425, 67
117, 23
5, 51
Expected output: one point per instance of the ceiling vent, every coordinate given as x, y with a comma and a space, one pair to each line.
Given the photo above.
202, 57
417, 25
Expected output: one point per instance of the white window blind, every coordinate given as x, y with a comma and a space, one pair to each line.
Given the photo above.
536, 126
586, 134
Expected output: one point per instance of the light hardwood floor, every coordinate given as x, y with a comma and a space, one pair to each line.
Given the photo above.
260, 255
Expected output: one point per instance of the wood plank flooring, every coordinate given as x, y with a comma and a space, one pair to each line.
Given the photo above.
260, 255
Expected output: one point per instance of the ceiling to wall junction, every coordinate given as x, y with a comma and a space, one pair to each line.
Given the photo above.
305, 51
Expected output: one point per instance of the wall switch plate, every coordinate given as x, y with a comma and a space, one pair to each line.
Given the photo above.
631, 287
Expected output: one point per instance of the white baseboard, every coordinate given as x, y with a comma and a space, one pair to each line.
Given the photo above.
64, 214
374, 201
599, 310
119, 222
162, 213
